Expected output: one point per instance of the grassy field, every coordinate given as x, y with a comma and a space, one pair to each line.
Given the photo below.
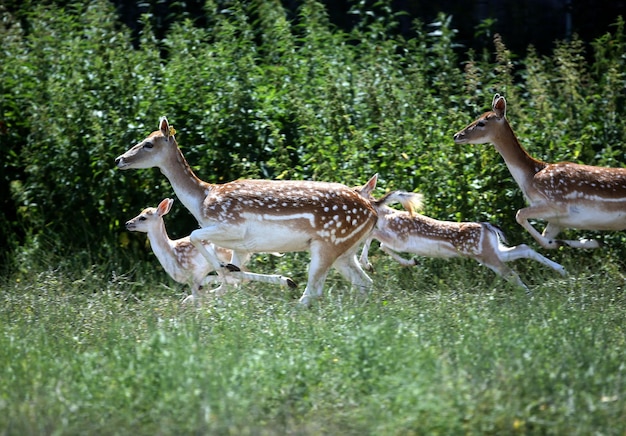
445, 348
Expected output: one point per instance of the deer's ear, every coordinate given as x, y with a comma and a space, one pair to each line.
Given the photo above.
165, 206
371, 183
496, 96
164, 127
499, 106
369, 187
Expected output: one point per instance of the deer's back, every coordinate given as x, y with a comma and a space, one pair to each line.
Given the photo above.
318, 210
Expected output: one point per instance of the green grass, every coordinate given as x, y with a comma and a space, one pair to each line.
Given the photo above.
446, 348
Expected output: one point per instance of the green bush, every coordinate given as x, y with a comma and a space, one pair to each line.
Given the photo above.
253, 94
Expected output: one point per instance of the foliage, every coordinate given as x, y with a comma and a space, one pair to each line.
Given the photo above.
253, 93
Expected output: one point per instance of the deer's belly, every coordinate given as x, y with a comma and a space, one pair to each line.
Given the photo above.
594, 218
419, 246
296, 231
255, 237
270, 240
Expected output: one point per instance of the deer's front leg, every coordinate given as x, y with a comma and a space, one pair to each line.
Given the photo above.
363, 259
542, 212
321, 261
197, 238
552, 230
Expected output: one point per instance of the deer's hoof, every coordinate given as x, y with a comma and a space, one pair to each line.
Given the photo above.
189, 299
232, 268
554, 243
291, 284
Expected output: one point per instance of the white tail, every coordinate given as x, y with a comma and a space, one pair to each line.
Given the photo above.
564, 194
250, 216
411, 232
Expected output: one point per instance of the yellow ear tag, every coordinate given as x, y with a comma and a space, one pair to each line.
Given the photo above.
172, 131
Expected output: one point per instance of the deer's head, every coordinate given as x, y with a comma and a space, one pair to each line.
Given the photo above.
150, 218
486, 126
152, 151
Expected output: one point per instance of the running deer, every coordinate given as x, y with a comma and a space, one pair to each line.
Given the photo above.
179, 258
411, 232
329, 220
563, 194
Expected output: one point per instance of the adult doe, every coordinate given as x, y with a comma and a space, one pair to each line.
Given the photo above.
564, 194
329, 220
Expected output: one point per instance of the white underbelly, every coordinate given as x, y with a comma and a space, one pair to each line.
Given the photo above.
254, 238
419, 246
590, 218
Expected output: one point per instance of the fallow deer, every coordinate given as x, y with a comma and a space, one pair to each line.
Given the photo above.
179, 258
563, 194
329, 220
410, 232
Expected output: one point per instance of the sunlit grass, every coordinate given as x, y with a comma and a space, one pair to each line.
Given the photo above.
445, 348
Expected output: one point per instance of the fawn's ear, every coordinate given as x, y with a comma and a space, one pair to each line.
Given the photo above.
164, 127
165, 206
499, 106
369, 187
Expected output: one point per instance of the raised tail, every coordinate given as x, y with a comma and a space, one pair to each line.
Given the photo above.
411, 201
497, 230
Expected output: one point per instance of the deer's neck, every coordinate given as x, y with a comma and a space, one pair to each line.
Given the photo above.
522, 166
190, 190
162, 246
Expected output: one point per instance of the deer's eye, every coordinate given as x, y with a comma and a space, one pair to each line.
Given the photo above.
148, 145
142, 218
480, 124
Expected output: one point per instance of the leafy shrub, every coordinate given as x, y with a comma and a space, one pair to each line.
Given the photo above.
255, 94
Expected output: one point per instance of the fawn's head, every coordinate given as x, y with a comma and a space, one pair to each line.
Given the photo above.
152, 151
149, 218
486, 126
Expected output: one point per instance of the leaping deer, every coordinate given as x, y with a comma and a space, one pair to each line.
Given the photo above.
564, 194
410, 232
329, 220
179, 257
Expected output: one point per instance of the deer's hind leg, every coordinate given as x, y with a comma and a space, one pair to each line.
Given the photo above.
547, 239
552, 230
395, 256
523, 251
321, 262
349, 267
506, 272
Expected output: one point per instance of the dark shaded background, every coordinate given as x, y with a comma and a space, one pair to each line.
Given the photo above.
521, 22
